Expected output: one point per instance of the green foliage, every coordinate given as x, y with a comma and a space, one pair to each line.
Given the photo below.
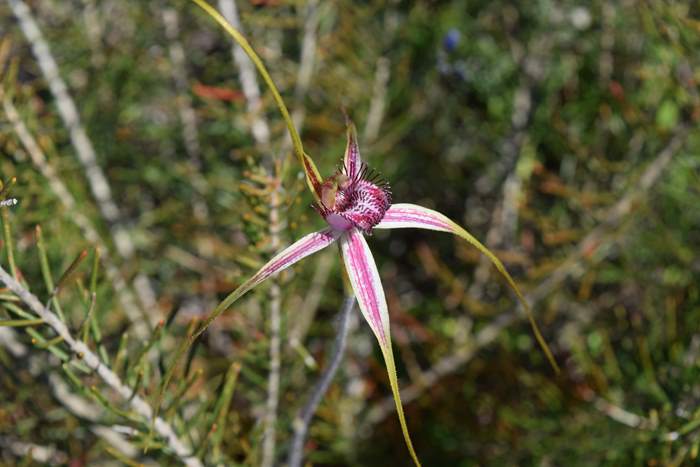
538, 128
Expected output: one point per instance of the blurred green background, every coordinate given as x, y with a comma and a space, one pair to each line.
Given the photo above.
563, 134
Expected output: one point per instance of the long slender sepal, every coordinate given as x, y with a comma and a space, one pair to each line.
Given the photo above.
302, 248
313, 178
404, 215
365, 281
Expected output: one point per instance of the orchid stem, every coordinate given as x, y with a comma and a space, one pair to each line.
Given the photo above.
312, 175
303, 420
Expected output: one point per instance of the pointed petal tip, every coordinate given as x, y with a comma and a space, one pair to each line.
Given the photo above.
364, 278
407, 215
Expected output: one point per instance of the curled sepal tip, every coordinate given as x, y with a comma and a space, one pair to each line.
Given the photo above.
367, 286
406, 215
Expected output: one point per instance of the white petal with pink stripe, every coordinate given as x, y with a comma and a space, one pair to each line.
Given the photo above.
366, 283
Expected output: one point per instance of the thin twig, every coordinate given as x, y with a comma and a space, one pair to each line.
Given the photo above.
68, 112
275, 297
82, 144
303, 420
375, 115
261, 133
306, 63
309, 306
45, 454
188, 117
249, 82
82, 351
588, 249
77, 405
622, 415
126, 298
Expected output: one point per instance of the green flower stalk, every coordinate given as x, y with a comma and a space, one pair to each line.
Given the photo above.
353, 201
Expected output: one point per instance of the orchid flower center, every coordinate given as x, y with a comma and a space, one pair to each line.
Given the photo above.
359, 201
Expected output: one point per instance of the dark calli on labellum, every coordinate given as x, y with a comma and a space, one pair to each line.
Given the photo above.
355, 196
354, 201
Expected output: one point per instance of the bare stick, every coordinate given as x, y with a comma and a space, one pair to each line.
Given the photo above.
44, 454
573, 265
375, 115
249, 82
306, 63
261, 133
303, 420
8, 202
137, 404
67, 110
309, 306
77, 405
275, 296
188, 117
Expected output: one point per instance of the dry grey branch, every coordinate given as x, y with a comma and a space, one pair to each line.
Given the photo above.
65, 197
77, 405
81, 143
188, 117
249, 82
303, 420
137, 404
375, 115
306, 63
45, 454
261, 133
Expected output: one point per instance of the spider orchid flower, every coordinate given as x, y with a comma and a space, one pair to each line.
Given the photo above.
353, 201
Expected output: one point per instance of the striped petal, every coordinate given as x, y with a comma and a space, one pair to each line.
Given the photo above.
404, 215
352, 160
368, 289
303, 247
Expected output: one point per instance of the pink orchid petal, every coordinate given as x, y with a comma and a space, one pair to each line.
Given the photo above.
302, 248
368, 289
366, 283
404, 215
352, 159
